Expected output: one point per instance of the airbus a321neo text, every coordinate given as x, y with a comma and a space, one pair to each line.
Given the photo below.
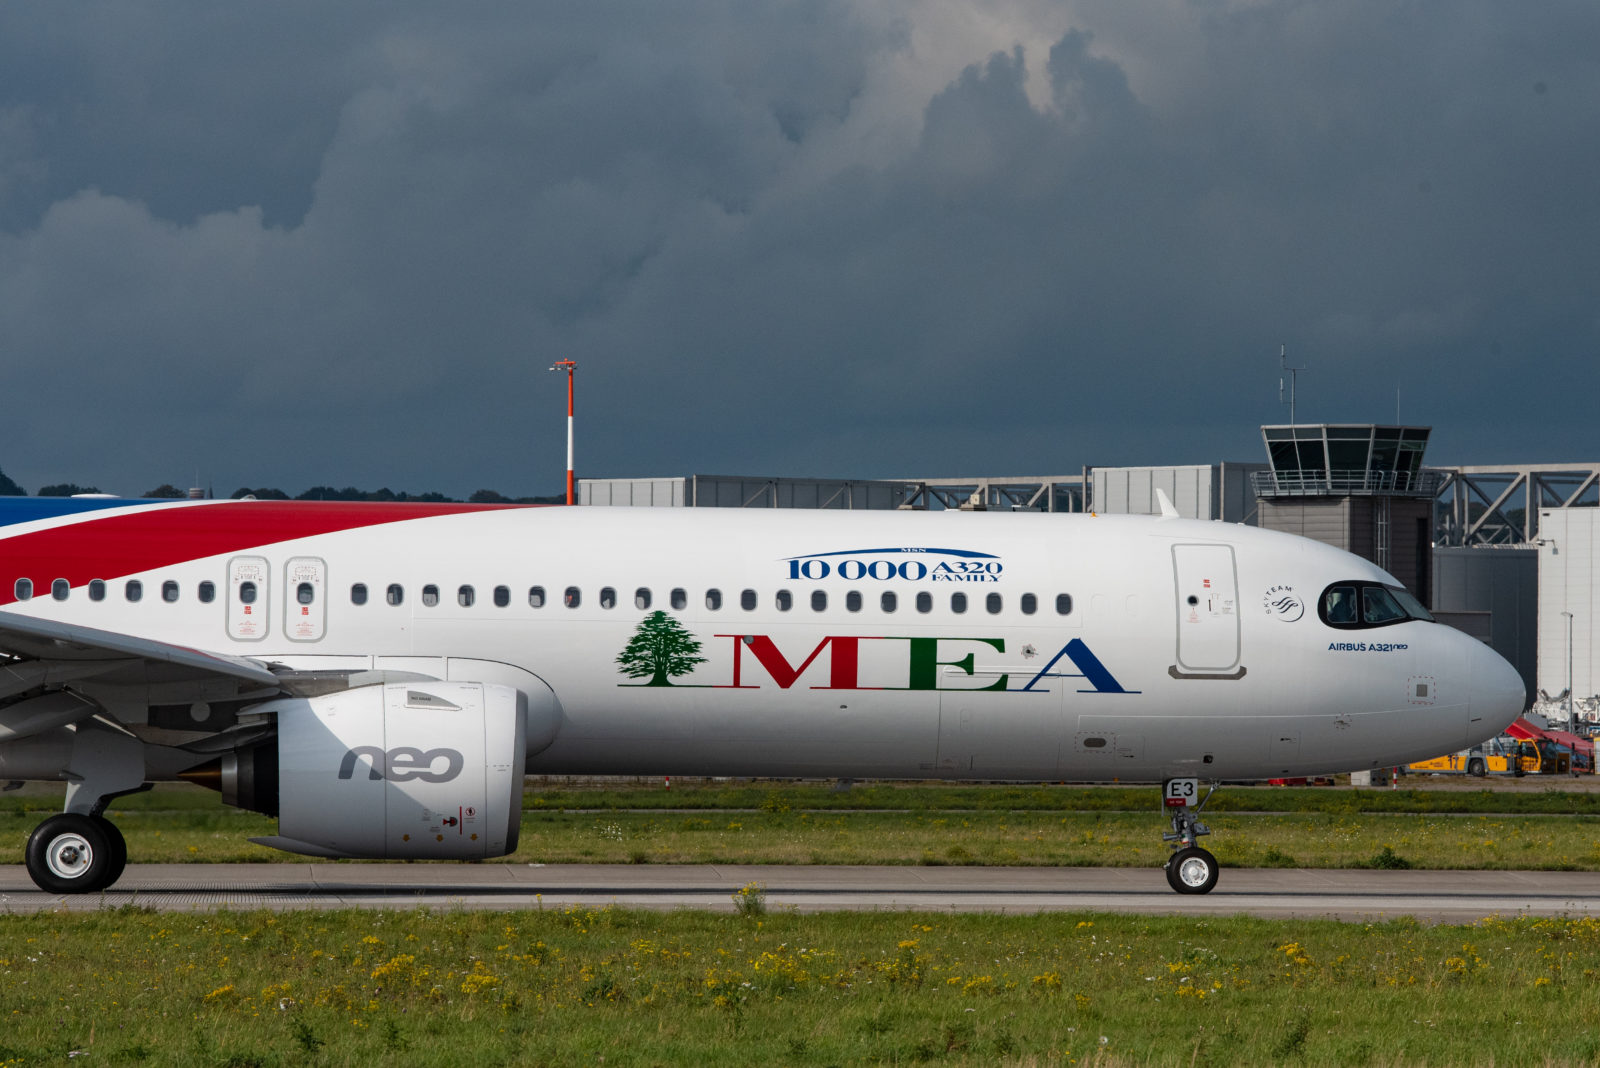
380, 677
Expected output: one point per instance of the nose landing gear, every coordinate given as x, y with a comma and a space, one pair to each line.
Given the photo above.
1190, 869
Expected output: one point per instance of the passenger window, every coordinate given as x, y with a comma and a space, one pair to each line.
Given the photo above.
958, 603
502, 596
819, 601
680, 599
97, 589
993, 604
747, 600
247, 592
572, 597
304, 593
608, 597
465, 596
207, 592
641, 598
888, 601
713, 599
924, 602
60, 588
395, 594
23, 589
1030, 604
169, 592
536, 597
1063, 604
358, 592
785, 600
430, 595
852, 601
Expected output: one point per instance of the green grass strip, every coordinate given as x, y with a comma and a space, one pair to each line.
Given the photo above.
573, 986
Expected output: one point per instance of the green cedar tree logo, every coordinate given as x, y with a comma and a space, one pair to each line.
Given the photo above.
659, 649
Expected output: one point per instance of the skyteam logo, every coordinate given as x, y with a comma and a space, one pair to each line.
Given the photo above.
1283, 603
910, 563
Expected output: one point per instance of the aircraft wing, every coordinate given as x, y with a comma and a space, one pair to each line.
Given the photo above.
53, 674
45, 652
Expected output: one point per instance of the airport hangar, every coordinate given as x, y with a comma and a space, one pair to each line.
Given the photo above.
1509, 553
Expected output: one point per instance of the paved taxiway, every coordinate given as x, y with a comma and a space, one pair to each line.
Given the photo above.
1450, 896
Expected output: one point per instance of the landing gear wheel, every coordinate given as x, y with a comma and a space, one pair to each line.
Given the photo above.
1192, 870
70, 854
119, 852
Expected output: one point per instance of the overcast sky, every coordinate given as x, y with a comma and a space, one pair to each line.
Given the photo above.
293, 243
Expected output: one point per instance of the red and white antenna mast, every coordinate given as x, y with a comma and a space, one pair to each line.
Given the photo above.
568, 366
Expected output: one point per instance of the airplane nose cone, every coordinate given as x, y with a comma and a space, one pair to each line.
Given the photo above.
1498, 695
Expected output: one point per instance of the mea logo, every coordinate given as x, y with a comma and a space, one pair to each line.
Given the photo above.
1284, 603
403, 763
912, 563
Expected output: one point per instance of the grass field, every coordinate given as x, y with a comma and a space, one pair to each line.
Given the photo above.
780, 824
630, 988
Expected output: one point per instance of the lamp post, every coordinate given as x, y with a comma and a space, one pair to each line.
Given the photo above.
568, 366
1571, 718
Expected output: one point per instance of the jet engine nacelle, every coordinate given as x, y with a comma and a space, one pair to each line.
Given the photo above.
409, 770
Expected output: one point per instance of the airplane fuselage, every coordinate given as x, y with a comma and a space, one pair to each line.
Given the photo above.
788, 643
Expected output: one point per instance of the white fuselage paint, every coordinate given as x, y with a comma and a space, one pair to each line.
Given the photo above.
1246, 683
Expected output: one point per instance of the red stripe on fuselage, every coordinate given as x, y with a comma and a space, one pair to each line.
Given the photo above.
113, 546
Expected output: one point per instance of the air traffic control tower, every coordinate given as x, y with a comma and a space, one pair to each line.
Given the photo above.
1356, 486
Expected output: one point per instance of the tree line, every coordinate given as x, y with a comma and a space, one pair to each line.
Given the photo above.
166, 490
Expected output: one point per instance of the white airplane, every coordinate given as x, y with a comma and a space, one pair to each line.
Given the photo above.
380, 677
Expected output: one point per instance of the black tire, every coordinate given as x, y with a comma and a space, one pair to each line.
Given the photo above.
1192, 871
69, 854
119, 853
1477, 768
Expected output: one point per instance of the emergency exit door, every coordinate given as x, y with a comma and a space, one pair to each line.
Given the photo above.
1208, 612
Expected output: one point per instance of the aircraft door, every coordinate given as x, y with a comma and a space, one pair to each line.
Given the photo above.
305, 609
248, 588
1208, 612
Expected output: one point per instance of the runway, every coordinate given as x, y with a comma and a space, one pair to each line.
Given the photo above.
1434, 896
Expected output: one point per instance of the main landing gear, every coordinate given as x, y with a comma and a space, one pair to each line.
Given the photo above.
1190, 869
79, 851
73, 853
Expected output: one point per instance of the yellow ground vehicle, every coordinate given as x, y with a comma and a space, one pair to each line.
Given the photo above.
1504, 755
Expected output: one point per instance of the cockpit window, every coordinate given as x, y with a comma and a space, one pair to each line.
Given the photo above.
1412, 606
1354, 605
1379, 606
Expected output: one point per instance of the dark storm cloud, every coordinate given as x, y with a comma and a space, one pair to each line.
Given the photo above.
293, 244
